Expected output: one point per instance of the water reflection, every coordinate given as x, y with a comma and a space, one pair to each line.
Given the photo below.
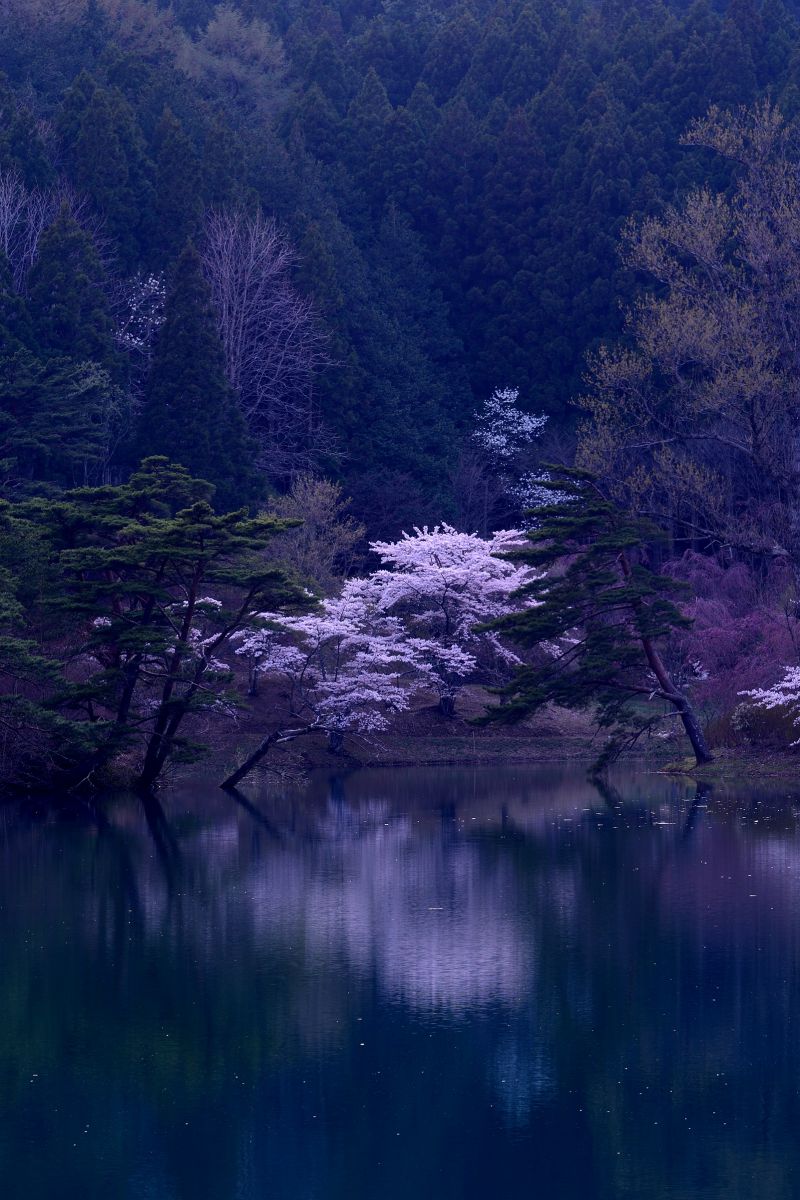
423, 983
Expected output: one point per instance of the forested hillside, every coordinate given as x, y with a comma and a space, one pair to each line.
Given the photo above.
434, 194
280, 282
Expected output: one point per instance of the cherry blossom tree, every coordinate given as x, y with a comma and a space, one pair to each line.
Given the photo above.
783, 695
442, 584
348, 666
497, 473
407, 628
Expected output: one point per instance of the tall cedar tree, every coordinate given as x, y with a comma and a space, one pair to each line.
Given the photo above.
190, 413
178, 196
67, 300
597, 616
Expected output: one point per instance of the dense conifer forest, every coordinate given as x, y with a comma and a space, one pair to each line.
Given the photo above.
448, 186
369, 265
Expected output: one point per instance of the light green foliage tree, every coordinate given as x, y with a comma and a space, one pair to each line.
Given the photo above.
694, 417
320, 548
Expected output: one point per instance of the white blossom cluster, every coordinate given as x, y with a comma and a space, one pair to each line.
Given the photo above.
410, 626
140, 311
501, 429
783, 694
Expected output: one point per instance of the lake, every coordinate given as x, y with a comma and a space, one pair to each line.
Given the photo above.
427, 984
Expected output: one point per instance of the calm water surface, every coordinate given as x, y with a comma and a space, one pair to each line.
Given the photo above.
445, 984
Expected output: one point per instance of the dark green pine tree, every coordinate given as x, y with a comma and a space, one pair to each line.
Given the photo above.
450, 54
780, 34
328, 73
222, 165
367, 121
405, 175
320, 124
100, 168
190, 413
21, 145
58, 422
16, 328
74, 104
178, 201
527, 73
733, 78
595, 619
66, 295
341, 386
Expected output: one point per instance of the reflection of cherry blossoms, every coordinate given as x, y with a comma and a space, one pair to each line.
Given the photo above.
428, 919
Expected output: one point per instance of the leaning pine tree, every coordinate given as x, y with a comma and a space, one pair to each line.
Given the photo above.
190, 413
596, 614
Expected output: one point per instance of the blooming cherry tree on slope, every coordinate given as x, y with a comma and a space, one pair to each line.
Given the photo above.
410, 626
506, 436
442, 584
347, 665
783, 694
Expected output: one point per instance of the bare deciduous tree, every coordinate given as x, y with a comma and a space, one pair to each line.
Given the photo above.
273, 342
26, 212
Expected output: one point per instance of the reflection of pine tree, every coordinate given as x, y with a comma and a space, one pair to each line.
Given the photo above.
190, 413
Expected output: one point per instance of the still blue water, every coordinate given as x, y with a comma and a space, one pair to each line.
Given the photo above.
401, 985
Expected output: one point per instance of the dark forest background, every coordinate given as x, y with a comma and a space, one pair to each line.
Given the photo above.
449, 183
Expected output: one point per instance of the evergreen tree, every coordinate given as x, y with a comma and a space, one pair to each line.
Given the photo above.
596, 616
16, 329
222, 165
327, 71
135, 582
101, 170
367, 121
190, 412
450, 53
21, 145
59, 422
73, 107
66, 290
178, 194
321, 126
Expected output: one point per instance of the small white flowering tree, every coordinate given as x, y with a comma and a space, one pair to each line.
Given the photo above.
785, 694
348, 666
506, 436
342, 663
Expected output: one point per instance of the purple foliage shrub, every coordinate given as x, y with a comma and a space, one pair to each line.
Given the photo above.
744, 632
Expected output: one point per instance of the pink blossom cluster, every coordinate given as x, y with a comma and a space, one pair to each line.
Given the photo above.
408, 627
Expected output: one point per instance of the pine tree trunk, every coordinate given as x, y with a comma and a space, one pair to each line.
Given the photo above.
687, 714
694, 730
